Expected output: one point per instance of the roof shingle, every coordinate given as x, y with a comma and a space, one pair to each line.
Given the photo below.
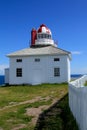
48, 50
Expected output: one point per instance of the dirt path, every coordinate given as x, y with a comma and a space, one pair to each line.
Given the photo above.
35, 112
21, 103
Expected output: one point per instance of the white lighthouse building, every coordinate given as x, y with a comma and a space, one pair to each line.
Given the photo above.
42, 62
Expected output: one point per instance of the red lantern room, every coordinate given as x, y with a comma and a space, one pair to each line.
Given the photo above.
41, 37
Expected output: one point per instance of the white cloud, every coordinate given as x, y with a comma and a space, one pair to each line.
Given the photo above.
2, 68
76, 52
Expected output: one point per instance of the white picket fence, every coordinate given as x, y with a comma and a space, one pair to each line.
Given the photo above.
78, 101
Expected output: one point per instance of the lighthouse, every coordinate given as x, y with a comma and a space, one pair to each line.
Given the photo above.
41, 37
42, 62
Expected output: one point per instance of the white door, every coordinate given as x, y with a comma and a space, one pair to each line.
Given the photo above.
37, 76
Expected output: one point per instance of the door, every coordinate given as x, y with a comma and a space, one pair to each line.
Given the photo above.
37, 76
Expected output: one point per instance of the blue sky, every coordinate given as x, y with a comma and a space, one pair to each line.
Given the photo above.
67, 20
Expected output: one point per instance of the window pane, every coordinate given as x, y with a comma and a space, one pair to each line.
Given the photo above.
18, 60
19, 72
56, 72
43, 35
56, 59
37, 60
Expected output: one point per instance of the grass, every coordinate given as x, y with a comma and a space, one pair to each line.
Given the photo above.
85, 83
15, 116
16, 94
58, 117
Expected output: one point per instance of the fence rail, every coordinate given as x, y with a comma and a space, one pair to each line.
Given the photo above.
78, 101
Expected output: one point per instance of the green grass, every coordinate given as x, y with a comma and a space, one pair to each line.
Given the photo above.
15, 116
59, 117
12, 117
85, 83
16, 94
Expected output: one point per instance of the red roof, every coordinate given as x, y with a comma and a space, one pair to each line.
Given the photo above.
44, 29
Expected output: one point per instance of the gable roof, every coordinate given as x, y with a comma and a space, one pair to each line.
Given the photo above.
47, 50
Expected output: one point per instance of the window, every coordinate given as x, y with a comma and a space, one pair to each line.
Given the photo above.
50, 36
37, 60
47, 36
56, 72
44, 36
18, 60
56, 59
38, 36
41, 35
19, 72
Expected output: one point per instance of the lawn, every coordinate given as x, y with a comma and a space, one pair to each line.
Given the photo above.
20, 106
85, 83
15, 94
